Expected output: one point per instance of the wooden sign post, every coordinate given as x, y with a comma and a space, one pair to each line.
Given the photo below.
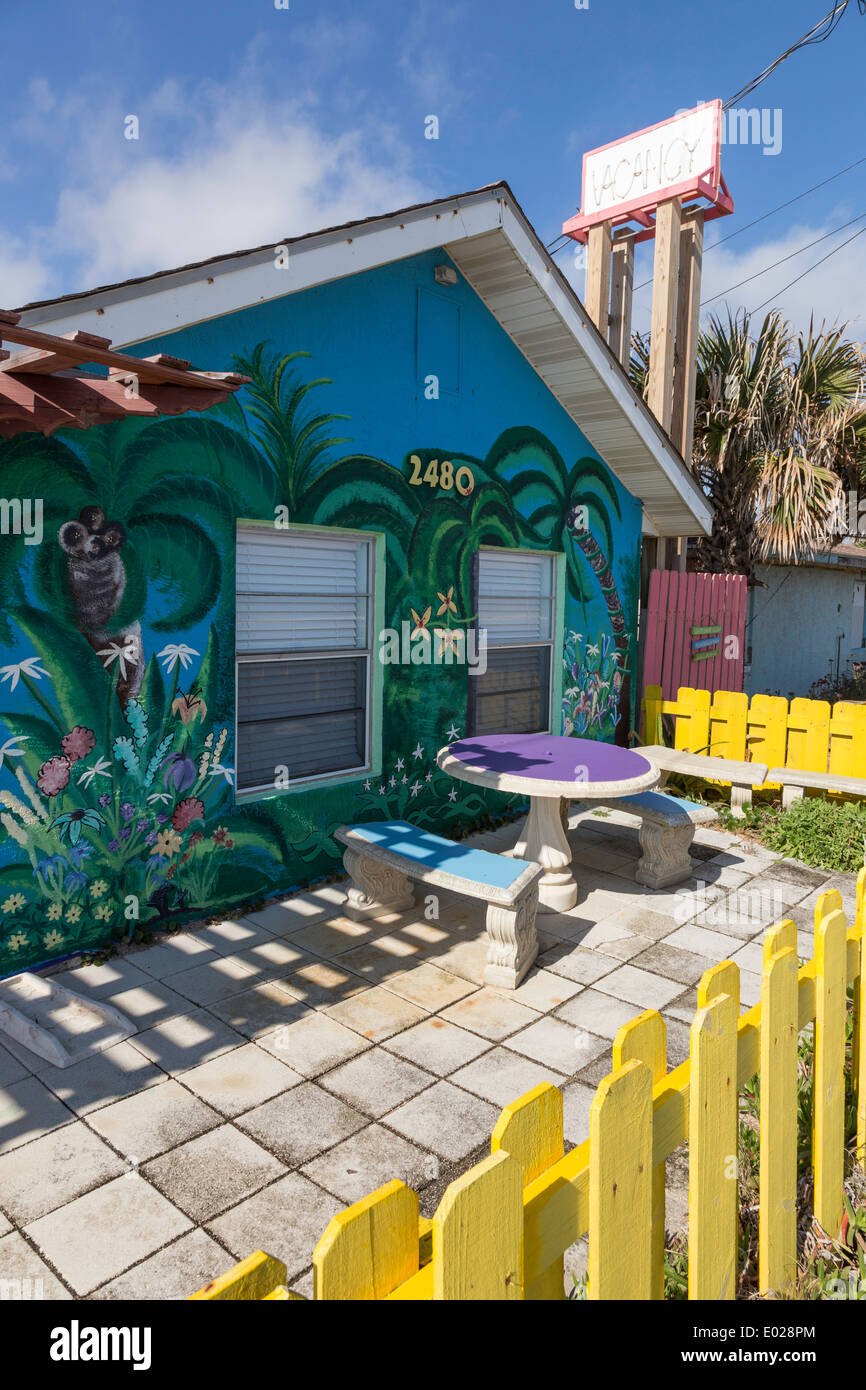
664, 182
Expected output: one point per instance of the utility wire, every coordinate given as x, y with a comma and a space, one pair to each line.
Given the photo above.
817, 34
783, 259
789, 286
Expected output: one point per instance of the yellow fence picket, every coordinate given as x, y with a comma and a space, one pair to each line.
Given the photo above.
777, 1257
692, 729
256, 1277
644, 1039
478, 1233
848, 739
767, 731
717, 980
370, 1248
808, 735
652, 729
828, 1125
530, 1129
713, 1151
728, 715
620, 1185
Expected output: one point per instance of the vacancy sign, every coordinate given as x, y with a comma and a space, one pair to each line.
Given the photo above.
627, 179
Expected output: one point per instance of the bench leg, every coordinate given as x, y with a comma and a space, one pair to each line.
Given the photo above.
512, 942
790, 795
740, 797
376, 887
665, 859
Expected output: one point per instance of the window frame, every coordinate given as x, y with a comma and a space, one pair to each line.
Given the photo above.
374, 592
554, 643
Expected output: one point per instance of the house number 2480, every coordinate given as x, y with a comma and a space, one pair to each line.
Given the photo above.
443, 475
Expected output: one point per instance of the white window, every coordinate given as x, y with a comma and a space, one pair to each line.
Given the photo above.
303, 644
515, 602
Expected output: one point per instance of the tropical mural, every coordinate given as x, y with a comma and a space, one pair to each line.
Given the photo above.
117, 796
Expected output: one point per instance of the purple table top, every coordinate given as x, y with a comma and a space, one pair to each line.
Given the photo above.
550, 758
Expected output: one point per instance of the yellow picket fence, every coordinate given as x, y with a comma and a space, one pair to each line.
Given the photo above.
502, 1228
807, 734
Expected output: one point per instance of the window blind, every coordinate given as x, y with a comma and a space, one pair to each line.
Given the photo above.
515, 603
303, 653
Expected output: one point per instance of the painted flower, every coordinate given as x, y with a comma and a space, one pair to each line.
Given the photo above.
13, 903
186, 811
218, 770
75, 879
78, 853
124, 832
50, 865
73, 913
172, 654
53, 776
189, 708
78, 743
167, 843
151, 838
55, 912
222, 837
29, 667
127, 810
448, 640
195, 838
121, 653
448, 604
159, 796
101, 768
161, 818
98, 888
179, 771
71, 823
141, 825
105, 800
157, 860
52, 939
104, 912
17, 940
113, 846
421, 622
10, 748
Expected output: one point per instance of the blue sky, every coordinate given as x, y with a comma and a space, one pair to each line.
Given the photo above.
257, 123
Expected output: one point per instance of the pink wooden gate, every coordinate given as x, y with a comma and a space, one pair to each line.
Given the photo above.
695, 631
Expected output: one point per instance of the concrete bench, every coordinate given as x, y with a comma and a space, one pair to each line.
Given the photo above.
666, 832
382, 857
795, 781
743, 777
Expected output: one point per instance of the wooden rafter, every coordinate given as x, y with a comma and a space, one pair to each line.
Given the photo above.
41, 388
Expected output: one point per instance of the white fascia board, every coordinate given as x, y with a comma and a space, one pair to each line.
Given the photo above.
135, 313
648, 526
607, 369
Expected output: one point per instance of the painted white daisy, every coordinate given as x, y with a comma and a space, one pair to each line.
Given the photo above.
101, 768
28, 667
10, 748
176, 652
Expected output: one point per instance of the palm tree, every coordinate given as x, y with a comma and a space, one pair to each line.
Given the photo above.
780, 432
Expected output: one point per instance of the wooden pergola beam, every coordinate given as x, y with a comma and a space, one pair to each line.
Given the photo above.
156, 369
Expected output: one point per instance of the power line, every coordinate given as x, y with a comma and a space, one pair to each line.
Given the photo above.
783, 259
819, 33
789, 286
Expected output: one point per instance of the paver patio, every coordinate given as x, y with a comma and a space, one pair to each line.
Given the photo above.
288, 1063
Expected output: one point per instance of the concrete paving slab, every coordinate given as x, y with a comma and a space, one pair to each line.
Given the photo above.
369, 1159
300, 1124
376, 1082
313, 1044
445, 1120
215, 1171
153, 1121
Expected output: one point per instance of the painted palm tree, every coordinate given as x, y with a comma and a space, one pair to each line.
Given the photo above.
574, 510
780, 432
294, 442
135, 474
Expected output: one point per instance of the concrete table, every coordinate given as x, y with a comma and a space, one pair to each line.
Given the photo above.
551, 771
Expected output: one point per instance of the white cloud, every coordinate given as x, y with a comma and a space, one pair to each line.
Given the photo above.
217, 168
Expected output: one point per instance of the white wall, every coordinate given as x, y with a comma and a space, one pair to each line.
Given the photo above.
793, 626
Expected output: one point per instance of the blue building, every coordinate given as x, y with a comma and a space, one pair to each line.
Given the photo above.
422, 517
